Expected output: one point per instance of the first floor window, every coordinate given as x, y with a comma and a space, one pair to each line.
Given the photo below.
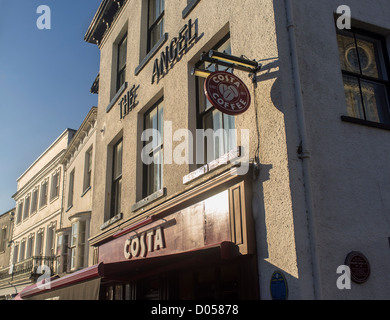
15, 256
153, 159
50, 241
78, 245
366, 84
22, 250
39, 244
209, 118
116, 192
62, 252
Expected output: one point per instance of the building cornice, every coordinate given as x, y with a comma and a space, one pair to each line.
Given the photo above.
88, 124
49, 148
103, 19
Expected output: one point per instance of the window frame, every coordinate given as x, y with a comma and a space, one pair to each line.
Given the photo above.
19, 215
27, 205
116, 182
121, 70
88, 170
34, 200
55, 189
3, 239
146, 190
150, 27
43, 196
384, 63
77, 244
72, 175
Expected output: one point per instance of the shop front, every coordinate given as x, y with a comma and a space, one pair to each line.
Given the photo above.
198, 245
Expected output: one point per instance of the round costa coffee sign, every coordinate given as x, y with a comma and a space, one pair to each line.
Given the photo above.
359, 265
227, 93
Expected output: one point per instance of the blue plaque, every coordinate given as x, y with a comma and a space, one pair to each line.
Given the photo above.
278, 286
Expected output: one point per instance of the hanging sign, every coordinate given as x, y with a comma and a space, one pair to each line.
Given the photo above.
227, 93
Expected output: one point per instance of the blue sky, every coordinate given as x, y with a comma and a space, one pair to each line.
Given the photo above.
45, 77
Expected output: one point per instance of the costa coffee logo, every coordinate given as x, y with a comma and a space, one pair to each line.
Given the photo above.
140, 245
227, 93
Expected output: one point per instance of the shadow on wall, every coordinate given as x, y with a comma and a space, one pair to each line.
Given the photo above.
283, 99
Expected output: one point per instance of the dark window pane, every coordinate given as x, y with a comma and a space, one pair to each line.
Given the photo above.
375, 101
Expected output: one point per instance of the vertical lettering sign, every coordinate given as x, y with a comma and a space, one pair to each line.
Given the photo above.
128, 102
140, 245
227, 93
177, 47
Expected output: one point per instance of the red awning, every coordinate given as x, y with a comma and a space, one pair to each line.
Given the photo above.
51, 289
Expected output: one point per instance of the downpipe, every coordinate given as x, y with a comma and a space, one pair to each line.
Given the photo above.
305, 154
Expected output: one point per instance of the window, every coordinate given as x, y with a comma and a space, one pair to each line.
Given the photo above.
26, 211
15, 254
77, 244
22, 250
88, 169
62, 252
71, 189
39, 244
121, 67
3, 239
34, 200
43, 195
116, 179
55, 185
50, 241
155, 22
30, 244
153, 172
211, 118
365, 77
20, 210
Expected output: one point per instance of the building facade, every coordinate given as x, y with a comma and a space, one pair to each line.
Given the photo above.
73, 250
6, 229
287, 200
38, 215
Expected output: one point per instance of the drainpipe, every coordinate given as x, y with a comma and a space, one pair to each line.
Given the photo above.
305, 154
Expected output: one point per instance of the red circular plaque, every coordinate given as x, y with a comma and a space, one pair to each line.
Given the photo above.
227, 93
359, 265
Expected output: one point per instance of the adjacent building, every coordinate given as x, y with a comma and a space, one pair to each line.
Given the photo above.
6, 228
38, 215
73, 249
191, 202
